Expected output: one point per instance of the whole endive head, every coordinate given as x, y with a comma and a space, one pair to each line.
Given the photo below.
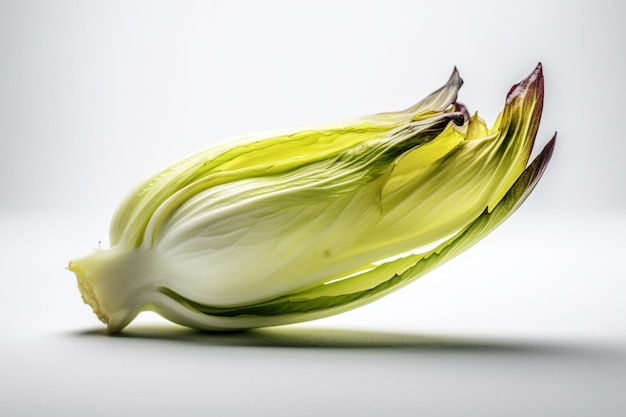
276, 229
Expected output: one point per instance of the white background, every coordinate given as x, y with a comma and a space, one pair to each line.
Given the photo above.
95, 96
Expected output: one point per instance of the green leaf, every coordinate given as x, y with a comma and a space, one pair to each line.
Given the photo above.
333, 298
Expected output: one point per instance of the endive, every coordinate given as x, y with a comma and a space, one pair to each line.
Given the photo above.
279, 229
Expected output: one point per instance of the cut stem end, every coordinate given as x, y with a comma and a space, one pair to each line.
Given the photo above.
85, 285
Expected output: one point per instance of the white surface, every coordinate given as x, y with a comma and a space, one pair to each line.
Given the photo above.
529, 322
94, 96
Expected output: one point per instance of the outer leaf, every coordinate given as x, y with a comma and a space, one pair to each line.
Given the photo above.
331, 299
264, 155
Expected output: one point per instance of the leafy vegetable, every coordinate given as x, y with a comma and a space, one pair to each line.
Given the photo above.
272, 230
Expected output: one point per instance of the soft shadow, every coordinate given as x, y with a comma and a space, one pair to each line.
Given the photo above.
328, 338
